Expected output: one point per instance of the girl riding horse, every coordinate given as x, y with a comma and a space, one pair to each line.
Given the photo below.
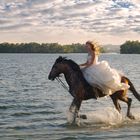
100, 73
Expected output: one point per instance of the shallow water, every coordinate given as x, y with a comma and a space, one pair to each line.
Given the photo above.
32, 107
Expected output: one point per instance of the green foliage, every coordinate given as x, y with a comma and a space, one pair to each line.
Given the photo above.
130, 47
41, 48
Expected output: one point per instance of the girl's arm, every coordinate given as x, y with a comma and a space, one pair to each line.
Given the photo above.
89, 62
84, 64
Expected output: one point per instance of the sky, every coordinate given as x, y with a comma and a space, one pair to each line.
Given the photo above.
69, 21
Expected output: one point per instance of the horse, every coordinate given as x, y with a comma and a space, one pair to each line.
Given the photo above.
81, 90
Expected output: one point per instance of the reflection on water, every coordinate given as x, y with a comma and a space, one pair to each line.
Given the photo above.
32, 107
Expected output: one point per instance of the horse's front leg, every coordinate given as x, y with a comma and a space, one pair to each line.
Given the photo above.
74, 109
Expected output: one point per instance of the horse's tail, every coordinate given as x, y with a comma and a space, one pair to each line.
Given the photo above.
132, 89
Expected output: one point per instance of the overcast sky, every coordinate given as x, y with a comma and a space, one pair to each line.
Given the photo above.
69, 21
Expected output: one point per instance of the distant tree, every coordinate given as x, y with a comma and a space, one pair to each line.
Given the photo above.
130, 47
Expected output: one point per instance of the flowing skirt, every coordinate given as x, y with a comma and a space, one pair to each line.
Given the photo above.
105, 77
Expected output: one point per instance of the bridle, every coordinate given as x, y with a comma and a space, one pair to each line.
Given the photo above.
62, 83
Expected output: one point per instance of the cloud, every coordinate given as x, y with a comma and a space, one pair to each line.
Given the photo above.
111, 17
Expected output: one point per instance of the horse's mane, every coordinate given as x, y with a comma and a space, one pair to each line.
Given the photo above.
71, 63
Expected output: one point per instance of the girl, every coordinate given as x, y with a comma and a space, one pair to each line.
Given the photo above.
100, 74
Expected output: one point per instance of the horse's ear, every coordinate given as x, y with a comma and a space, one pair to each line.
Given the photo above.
59, 59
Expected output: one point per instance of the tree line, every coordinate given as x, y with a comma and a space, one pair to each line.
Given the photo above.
41, 48
130, 47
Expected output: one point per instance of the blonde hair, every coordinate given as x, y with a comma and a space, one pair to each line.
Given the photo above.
94, 46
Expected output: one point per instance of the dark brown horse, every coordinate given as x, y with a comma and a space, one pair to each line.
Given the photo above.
81, 90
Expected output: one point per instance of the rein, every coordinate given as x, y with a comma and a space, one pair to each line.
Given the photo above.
62, 84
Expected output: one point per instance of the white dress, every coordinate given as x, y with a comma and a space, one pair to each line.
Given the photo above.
102, 75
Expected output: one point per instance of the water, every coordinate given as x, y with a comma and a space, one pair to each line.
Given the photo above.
34, 108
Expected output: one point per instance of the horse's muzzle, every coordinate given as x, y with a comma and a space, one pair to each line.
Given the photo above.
51, 77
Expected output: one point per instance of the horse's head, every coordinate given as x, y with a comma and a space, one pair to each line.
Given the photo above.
57, 68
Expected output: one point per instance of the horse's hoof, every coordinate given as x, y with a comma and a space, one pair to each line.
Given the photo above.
83, 116
131, 117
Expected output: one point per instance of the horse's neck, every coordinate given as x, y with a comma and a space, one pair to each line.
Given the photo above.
71, 77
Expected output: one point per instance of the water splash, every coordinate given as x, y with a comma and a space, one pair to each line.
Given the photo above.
105, 116
104, 119
71, 117
136, 113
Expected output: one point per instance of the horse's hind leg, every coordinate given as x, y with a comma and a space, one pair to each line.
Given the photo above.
116, 103
128, 101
